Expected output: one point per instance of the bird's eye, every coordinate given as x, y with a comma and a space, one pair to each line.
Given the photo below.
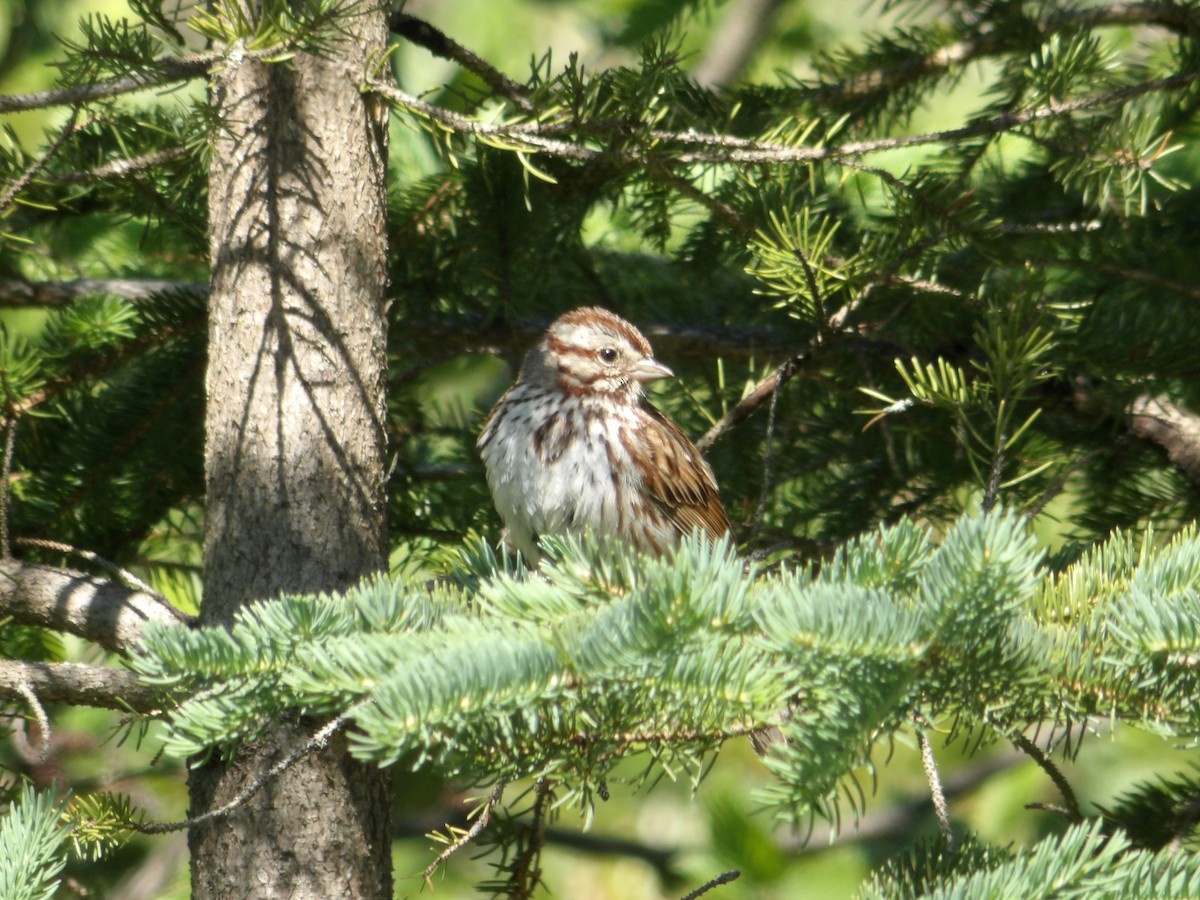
608, 354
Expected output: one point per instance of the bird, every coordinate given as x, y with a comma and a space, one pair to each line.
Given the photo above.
574, 445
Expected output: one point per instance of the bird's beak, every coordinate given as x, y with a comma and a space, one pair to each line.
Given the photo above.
650, 369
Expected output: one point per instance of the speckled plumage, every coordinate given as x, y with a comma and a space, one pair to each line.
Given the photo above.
574, 444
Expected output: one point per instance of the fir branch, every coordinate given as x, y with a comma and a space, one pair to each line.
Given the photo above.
18, 184
127, 350
536, 137
18, 292
1034, 752
520, 137
102, 611
729, 152
1172, 427
1181, 19
164, 71
421, 33
76, 684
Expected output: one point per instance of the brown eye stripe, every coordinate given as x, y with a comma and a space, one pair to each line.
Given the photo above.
611, 323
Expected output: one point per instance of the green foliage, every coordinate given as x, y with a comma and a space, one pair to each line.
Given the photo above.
971, 230
31, 846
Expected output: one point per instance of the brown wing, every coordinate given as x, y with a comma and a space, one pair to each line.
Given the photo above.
675, 477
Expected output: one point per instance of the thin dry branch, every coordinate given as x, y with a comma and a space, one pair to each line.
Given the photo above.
318, 741
762, 392
78, 685
421, 33
480, 823
120, 168
165, 71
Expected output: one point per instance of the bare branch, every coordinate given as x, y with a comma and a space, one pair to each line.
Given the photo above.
1175, 429
64, 600
763, 391
126, 577
733, 44
20, 292
25, 689
425, 35
480, 823
78, 685
723, 878
166, 70
120, 168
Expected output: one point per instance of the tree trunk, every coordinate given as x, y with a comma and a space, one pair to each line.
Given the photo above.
295, 454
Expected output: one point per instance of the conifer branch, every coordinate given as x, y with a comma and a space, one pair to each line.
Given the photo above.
538, 137
99, 610
729, 151
164, 71
1178, 18
521, 137
76, 684
18, 184
18, 292
54, 386
1034, 752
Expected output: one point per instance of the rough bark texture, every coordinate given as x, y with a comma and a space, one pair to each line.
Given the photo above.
295, 438
103, 611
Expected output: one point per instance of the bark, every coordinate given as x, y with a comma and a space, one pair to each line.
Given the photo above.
1174, 428
295, 456
76, 684
102, 611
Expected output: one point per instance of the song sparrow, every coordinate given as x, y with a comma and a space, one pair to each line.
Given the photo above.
574, 444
